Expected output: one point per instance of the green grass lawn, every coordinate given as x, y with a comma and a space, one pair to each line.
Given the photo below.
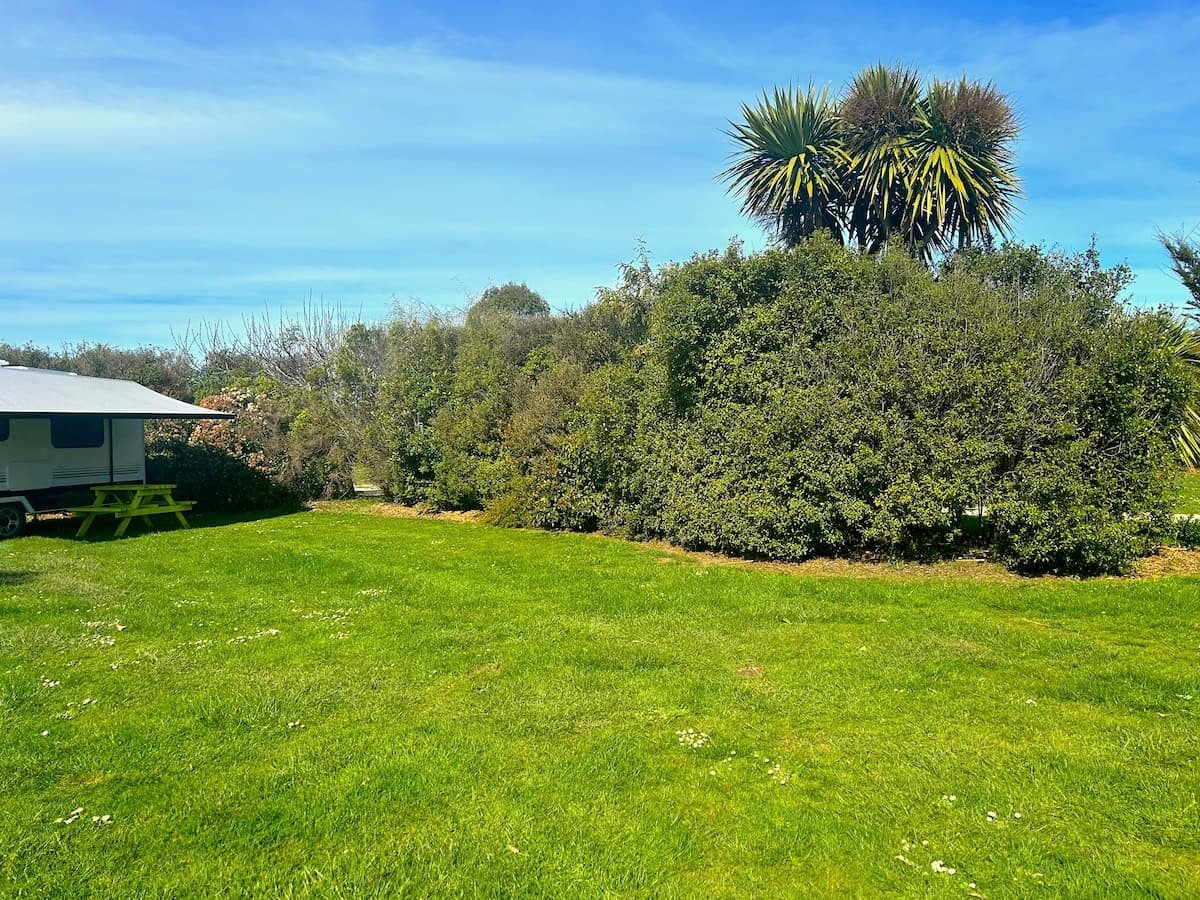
1189, 493
330, 704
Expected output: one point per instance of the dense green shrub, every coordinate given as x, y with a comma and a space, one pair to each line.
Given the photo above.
216, 479
401, 450
278, 450
808, 401
820, 401
1185, 532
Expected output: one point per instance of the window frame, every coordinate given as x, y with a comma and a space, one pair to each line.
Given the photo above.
75, 437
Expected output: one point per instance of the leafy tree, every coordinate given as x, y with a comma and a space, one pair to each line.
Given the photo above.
1185, 260
884, 162
401, 451
510, 299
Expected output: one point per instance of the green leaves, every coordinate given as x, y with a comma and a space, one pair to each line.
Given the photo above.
791, 166
1185, 260
882, 163
1184, 342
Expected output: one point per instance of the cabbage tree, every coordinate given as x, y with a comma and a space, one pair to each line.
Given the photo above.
886, 161
791, 168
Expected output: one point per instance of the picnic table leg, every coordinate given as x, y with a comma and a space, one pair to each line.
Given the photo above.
132, 510
182, 520
87, 523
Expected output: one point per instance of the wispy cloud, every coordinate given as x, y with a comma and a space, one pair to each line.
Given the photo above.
430, 160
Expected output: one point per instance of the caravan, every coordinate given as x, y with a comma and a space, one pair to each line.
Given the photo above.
62, 433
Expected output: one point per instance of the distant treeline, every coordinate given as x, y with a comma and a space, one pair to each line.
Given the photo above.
780, 404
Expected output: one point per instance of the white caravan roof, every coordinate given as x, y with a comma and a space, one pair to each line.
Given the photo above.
43, 392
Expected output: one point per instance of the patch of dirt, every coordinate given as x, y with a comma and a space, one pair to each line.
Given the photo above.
1167, 562
851, 568
395, 510
750, 671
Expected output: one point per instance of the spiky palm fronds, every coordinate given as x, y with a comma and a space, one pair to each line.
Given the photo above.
789, 167
963, 185
1187, 440
880, 115
883, 163
1184, 342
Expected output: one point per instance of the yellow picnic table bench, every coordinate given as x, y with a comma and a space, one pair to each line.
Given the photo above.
130, 501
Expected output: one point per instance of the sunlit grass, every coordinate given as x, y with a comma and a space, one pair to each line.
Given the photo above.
332, 704
1189, 494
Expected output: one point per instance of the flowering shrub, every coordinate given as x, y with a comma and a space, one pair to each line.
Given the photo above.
224, 464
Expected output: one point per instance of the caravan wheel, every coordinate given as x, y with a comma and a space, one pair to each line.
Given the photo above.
12, 520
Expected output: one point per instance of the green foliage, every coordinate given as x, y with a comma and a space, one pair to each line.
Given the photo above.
418, 375
510, 299
1185, 532
280, 449
1030, 273
884, 162
809, 401
453, 396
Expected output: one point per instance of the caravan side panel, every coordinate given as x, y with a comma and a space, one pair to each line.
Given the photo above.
24, 458
70, 451
78, 450
129, 450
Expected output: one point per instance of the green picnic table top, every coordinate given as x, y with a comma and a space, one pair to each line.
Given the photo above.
127, 502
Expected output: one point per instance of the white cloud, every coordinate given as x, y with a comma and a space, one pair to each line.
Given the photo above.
137, 166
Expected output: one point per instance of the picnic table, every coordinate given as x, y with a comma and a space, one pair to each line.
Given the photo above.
131, 501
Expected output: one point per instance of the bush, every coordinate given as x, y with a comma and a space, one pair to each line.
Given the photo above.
821, 401
808, 401
268, 455
1097, 488
1184, 533
214, 478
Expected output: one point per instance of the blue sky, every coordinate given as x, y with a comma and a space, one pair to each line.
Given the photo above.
170, 164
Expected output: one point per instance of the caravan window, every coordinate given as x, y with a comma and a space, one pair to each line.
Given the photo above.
71, 432
3, 428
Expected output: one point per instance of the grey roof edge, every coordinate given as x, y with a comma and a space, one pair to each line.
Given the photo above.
27, 392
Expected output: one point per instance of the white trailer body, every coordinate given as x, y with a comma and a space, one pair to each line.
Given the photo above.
52, 452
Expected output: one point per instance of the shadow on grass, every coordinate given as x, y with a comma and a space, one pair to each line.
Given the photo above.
12, 579
104, 527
